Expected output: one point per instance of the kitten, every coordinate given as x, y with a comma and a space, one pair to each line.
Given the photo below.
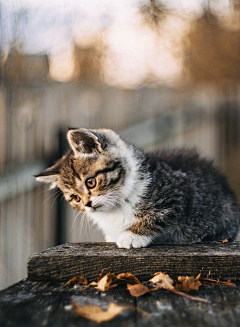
170, 197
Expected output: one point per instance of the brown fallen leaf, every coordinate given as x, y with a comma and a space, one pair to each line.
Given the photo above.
188, 283
137, 289
198, 276
76, 280
224, 241
162, 280
229, 239
96, 313
102, 274
92, 284
128, 278
105, 282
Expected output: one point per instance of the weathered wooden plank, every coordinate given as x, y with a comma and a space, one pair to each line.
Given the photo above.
28, 304
63, 262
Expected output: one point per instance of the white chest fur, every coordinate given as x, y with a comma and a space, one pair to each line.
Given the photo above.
114, 222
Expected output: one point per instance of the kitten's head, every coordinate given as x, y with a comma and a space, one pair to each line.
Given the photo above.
93, 174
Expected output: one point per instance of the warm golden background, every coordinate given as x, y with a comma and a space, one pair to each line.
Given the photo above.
157, 72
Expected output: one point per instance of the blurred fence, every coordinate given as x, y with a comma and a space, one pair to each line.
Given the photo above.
33, 124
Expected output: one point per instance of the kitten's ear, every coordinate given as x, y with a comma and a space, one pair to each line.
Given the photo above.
50, 175
85, 141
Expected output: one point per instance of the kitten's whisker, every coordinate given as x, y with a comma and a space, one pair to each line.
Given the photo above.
81, 222
89, 223
84, 222
58, 191
55, 199
111, 200
61, 198
44, 191
74, 221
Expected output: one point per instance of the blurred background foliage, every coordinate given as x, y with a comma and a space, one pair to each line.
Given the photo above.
160, 73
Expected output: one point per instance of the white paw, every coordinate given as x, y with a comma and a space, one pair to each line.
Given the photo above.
129, 240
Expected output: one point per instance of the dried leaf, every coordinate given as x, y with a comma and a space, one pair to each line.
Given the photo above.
128, 278
229, 239
224, 241
137, 289
100, 276
105, 282
162, 280
76, 280
89, 285
102, 284
96, 313
198, 276
188, 283
166, 281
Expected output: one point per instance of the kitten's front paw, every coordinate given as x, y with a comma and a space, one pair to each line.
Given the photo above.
129, 240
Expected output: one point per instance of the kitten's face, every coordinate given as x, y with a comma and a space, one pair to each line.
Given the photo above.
91, 174
88, 183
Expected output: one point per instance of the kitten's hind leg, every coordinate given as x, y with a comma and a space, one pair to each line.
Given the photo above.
128, 240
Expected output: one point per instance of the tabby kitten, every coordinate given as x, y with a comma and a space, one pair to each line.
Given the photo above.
170, 197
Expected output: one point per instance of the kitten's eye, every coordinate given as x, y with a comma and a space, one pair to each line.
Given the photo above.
75, 197
91, 182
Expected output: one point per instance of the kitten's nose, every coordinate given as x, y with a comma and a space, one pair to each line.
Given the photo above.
89, 204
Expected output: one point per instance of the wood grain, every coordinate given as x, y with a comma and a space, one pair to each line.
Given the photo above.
65, 261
